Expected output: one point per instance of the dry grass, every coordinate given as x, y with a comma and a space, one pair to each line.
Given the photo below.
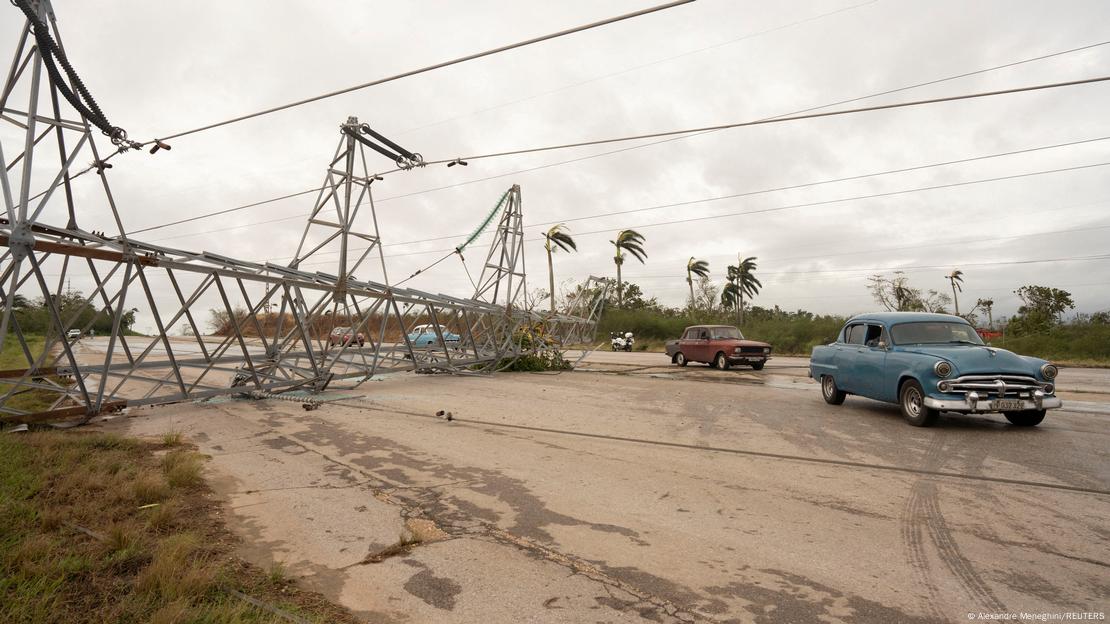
417, 531
172, 438
13, 358
183, 468
278, 574
95, 528
149, 487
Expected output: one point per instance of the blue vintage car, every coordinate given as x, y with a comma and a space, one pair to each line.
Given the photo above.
932, 363
425, 336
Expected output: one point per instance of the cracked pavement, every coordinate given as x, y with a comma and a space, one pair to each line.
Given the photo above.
615, 498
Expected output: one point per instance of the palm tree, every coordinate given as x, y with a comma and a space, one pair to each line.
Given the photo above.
699, 268
987, 304
742, 281
729, 296
956, 277
632, 242
555, 239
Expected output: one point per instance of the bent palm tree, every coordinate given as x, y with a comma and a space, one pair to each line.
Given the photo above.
742, 281
729, 296
955, 278
556, 239
632, 242
988, 305
699, 268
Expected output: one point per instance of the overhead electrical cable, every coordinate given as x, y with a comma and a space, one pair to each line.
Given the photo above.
788, 187
808, 204
976, 239
759, 122
649, 208
947, 243
78, 96
942, 266
428, 68
634, 147
229, 210
634, 68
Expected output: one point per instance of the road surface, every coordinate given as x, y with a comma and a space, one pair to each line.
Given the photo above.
649, 493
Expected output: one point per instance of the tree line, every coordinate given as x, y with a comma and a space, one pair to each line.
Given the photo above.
34, 315
740, 279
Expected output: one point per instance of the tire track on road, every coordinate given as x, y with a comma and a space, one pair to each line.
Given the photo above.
951, 555
914, 509
456, 421
922, 514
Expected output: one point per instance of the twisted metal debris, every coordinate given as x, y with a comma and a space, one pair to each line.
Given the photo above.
278, 318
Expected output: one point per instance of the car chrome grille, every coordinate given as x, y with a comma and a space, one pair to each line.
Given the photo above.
752, 350
997, 386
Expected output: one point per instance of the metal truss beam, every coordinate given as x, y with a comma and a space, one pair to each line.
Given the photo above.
258, 350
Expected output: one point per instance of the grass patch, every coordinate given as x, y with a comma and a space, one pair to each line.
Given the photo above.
13, 358
171, 439
788, 333
277, 574
1080, 344
182, 468
96, 528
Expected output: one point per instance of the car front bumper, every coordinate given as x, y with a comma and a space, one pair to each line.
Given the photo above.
755, 357
969, 406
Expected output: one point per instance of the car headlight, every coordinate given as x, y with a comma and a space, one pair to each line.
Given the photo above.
1049, 371
942, 369
766, 349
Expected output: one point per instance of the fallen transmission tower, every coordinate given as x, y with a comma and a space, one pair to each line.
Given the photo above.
284, 327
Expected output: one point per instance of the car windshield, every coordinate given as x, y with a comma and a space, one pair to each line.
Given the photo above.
341, 330
934, 332
725, 332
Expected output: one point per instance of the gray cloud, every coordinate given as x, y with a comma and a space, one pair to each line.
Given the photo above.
160, 68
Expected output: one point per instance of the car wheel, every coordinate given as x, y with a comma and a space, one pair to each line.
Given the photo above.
912, 401
721, 361
361, 343
832, 394
680, 359
1029, 418
758, 365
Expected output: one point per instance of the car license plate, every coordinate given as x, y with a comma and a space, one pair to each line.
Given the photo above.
1007, 405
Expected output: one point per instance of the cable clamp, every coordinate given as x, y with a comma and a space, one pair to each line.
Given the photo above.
119, 139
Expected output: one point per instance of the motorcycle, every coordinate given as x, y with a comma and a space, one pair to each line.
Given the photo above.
621, 342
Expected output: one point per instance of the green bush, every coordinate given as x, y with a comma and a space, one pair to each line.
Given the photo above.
549, 360
1080, 343
788, 332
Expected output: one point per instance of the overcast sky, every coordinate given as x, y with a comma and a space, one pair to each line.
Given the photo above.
158, 68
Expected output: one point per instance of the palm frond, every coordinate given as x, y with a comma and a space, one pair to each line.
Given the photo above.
697, 267
562, 240
630, 236
728, 298
636, 251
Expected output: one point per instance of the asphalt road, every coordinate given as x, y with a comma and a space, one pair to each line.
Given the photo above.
646, 492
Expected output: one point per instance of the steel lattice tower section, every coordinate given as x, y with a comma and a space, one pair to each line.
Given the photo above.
45, 148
